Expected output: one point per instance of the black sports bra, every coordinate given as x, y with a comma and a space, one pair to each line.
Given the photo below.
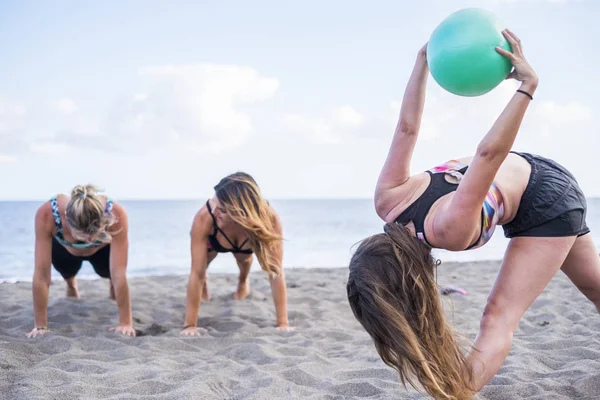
417, 211
214, 244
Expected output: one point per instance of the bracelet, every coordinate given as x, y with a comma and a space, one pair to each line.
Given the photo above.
42, 328
188, 326
525, 93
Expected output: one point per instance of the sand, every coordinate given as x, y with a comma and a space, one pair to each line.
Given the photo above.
555, 355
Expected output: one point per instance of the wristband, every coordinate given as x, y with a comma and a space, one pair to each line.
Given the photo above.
525, 93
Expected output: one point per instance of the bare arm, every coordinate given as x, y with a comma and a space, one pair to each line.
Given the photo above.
396, 169
465, 206
119, 249
278, 286
42, 266
278, 290
199, 249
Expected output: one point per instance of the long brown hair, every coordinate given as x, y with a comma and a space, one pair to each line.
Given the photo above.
394, 295
242, 200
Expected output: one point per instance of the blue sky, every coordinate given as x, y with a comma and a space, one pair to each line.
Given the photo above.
156, 99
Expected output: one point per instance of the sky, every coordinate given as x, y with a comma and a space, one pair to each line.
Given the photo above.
159, 100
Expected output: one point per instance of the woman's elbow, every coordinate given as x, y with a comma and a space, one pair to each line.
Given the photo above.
406, 127
453, 234
491, 152
380, 206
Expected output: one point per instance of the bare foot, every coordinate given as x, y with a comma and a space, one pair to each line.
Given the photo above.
243, 290
72, 289
111, 294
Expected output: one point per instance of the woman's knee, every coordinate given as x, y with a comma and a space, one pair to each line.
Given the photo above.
593, 295
497, 320
244, 262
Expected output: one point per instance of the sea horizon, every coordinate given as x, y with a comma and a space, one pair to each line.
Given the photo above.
318, 233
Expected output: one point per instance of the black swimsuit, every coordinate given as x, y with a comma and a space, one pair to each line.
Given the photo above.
552, 205
417, 211
213, 242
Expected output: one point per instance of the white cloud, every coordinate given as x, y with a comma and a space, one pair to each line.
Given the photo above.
348, 115
12, 115
200, 107
329, 129
452, 126
48, 148
200, 103
540, 1
83, 126
6, 159
315, 129
552, 112
566, 131
209, 108
140, 96
13, 128
65, 106
446, 112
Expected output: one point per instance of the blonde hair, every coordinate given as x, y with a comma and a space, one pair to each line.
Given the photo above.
393, 293
242, 200
86, 213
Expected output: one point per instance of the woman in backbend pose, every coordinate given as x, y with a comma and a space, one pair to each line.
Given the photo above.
240, 221
70, 230
456, 206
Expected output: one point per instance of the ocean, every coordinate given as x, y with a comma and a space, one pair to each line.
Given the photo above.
318, 233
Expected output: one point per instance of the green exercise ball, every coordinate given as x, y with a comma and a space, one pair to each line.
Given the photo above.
462, 55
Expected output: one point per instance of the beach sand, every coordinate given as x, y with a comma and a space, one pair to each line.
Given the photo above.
555, 354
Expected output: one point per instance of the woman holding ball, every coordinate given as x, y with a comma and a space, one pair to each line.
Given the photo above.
456, 206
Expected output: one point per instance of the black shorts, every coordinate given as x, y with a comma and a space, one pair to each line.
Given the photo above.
552, 205
68, 265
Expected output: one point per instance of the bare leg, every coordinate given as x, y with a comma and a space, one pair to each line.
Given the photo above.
529, 264
205, 294
244, 262
582, 266
72, 290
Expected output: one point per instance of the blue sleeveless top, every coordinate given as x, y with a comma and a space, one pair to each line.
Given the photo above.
59, 228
